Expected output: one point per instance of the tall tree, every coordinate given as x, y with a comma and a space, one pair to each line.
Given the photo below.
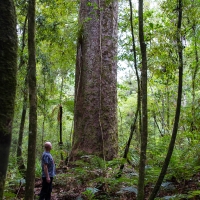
178, 108
8, 66
95, 115
144, 127
138, 109
30, 173
20, 161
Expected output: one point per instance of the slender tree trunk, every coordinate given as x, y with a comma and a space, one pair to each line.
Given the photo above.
30, 173
23, 44
61, 114
60, 121
20, 161
178, 109
8, 68
44, 110
144, 128
95, 118
193, 124
163, 117
133, 125
60, 124
168, 107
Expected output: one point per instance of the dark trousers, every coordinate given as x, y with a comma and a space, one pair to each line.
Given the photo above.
46, 189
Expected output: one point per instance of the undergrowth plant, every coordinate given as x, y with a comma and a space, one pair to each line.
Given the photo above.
89, 193
184, 163
38, 168
14, 180
95, 174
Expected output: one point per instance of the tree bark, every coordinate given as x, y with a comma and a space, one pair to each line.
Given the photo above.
144, 127
194, 74
20, 161
8, 68
95, 118
30, 173
138, 109
178, 108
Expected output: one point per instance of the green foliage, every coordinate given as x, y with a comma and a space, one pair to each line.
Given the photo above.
63, 178
90, 193
193, 194
56, 40
38, 168
14, 179
95, 6
108, 2
184, 163
9, 195
97, 175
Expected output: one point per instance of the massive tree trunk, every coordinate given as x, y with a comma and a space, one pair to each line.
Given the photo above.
8, 66
95, 118
30, 173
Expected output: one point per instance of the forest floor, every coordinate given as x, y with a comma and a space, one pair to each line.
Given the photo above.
67, 186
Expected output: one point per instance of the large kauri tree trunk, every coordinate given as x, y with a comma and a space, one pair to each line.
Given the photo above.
95, 118
8, 66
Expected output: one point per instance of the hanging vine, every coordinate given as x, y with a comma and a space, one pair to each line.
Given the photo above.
100, 78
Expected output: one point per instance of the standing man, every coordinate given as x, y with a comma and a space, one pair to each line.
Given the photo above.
48, 172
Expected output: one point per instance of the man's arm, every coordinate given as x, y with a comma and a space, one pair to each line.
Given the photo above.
46, 173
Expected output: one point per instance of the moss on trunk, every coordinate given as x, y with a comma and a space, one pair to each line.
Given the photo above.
8, 68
